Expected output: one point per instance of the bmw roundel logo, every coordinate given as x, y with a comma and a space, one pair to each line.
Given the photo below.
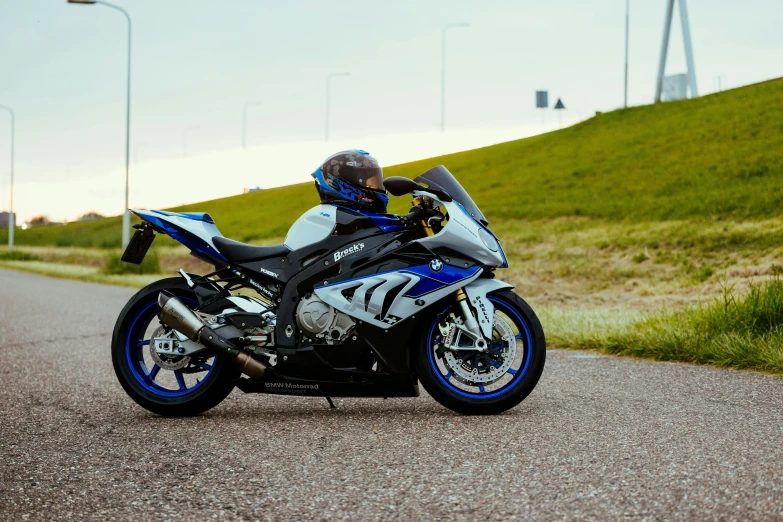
436, 265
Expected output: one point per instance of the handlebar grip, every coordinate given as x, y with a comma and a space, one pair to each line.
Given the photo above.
412, 217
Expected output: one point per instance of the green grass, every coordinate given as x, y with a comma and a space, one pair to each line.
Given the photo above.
568, 327
718, 156
16, 255
618, 229
734, 331
149, 265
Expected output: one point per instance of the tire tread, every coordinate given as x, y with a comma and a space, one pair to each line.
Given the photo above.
209, 395
468, 406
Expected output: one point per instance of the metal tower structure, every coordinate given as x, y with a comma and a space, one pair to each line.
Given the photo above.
686, 37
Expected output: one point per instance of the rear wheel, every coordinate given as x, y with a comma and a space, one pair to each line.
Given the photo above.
172, 386
490, 381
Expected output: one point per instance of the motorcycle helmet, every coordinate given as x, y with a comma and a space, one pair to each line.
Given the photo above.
352, 178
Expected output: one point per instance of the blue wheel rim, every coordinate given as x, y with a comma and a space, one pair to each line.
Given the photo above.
517, 374
135, 344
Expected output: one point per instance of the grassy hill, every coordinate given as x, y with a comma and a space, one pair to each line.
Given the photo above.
716, 156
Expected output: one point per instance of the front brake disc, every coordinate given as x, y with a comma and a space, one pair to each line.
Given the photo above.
473, 367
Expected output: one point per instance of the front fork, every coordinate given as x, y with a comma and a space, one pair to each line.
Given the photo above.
465, 336
470, 327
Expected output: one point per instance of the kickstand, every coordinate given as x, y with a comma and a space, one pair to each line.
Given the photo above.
331, 404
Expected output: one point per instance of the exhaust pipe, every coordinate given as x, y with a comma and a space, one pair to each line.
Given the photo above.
175, 314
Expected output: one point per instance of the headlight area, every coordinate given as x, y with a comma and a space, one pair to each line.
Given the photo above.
489, 240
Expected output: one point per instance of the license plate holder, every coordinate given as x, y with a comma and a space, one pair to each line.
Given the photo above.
139, 245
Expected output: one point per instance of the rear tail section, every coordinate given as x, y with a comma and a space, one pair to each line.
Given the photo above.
195, 230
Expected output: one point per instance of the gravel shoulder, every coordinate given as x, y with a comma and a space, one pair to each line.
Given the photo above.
600, 438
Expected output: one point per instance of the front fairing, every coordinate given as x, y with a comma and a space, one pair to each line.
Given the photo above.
463, 233
440, 178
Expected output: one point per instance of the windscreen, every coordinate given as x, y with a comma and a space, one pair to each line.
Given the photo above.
440, 178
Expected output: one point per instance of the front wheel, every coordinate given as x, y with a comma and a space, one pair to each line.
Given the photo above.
490, 381
172, 386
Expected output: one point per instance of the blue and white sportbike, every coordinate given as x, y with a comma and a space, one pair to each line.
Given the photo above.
356, 303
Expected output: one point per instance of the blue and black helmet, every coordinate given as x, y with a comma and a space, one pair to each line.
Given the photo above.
353, 178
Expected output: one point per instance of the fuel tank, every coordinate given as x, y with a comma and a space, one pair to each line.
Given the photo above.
318, 223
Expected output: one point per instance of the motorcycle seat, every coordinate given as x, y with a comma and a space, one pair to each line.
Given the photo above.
237, 252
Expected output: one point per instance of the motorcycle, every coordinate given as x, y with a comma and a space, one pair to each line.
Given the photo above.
355, 303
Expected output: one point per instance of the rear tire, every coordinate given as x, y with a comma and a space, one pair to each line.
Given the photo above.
475, 398
140, 380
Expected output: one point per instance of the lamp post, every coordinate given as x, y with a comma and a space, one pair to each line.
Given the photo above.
627, 14
126, 213
11, 208
247, 106
443, 74
329, 98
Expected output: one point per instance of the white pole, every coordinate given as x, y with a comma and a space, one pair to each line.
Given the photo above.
443, 74
11, 220
126, 212
686, 38
667, 25
627, 13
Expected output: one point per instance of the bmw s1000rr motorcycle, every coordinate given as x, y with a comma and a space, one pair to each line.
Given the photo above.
355, 303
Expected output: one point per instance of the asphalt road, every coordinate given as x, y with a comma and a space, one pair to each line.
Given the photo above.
600, 438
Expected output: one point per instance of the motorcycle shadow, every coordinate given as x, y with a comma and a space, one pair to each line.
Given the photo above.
318, 407
359, 409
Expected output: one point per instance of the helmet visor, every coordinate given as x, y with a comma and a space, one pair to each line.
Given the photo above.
367, 177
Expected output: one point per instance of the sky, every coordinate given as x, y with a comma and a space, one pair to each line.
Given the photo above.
196, 63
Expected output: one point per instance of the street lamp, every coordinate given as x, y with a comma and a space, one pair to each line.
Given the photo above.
11, 208
627, 12
443, 74
126, 214
244, 120
329, 98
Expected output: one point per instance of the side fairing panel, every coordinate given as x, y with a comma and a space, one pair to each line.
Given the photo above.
387, 298
312, 227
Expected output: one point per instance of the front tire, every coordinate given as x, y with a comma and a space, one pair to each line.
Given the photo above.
172, 387
488, 383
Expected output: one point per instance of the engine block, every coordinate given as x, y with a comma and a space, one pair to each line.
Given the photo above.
318, 319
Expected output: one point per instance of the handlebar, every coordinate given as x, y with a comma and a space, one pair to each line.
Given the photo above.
418, 214
412, 217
